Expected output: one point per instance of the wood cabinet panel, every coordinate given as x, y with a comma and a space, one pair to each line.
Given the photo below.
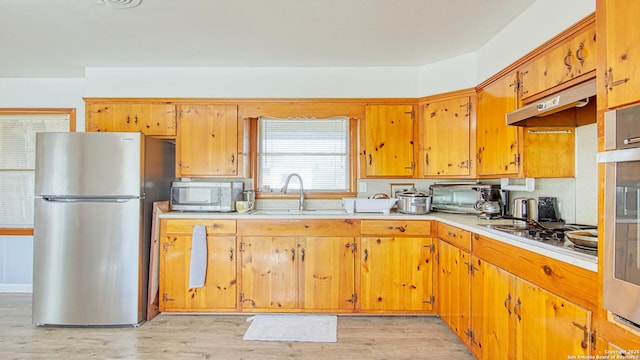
289, 273
549, 326
549, 152
158, 119
622, 73
219, 290
446, 138
269, 273
566, 280
388, 135
497, 151
570, 59
185, 226
454, 291
493, 319
396, 227
396, 274
454, 236
209, 141
299, 227
327, 279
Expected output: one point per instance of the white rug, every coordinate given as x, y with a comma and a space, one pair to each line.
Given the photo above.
287, 327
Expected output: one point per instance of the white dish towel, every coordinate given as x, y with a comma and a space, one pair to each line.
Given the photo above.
198, 265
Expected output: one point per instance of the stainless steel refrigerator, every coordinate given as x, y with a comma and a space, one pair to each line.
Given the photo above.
92, 225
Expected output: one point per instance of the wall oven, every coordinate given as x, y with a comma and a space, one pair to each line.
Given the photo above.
621, 261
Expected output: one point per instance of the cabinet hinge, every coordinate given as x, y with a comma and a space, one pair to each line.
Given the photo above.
432, 300
472, 337
353, 246
518, 159
470, 268
166, 298
469, 107
242, 245
413, 114
165, 245
244, 299
353, 299
593, 340
432, 248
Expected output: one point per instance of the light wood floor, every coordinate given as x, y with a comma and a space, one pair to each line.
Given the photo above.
220, 337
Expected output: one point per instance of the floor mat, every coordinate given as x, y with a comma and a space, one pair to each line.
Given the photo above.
288, 327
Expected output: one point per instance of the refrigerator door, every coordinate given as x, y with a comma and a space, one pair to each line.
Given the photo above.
87, 262
89, 164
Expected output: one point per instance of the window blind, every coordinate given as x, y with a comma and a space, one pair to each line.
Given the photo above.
17, 163
316, 149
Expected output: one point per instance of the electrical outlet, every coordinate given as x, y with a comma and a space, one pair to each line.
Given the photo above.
362, 186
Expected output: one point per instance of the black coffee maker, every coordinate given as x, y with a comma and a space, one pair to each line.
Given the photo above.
548, 209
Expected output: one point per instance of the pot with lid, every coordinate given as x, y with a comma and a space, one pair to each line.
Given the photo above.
413, 202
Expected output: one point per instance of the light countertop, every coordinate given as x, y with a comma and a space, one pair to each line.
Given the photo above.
467, 222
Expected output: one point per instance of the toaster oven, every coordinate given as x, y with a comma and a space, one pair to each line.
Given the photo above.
461, 198
205, 195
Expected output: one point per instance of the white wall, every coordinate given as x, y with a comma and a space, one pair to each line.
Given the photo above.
44, 93
371, 82
543, 20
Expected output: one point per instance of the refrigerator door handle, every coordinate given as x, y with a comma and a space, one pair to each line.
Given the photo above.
82, 200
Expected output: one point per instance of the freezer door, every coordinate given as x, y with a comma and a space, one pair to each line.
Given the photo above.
89, 164
87, 263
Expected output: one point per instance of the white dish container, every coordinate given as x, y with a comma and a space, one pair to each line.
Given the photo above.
364, 205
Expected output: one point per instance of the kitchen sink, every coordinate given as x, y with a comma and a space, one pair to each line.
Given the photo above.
288, 212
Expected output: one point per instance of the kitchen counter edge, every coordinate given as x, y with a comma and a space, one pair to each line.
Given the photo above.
467, 222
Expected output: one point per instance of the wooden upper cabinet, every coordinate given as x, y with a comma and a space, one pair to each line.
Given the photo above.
622, 79
158, 119
209, 141
388, 141
445, 130
570, 59
497, 143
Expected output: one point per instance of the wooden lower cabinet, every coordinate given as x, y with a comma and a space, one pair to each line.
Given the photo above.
219, 292
396, 273
512, 318
454, 292
288, 273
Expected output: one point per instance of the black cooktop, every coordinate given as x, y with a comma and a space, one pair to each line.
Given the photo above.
550, 233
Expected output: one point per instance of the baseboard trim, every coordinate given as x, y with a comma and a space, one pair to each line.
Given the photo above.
16, 288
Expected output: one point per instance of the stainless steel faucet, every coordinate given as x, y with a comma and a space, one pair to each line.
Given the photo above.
286, 185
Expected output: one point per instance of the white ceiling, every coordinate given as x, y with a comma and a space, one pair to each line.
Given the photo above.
60, 38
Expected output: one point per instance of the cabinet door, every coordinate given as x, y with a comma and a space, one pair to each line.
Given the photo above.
396, 273
150, 119
207, 142
549, 327
219, 291
388, 141
622, 39
453, 289
573, 58
492, 318
327, 273
269, 273
446, 138
497, 143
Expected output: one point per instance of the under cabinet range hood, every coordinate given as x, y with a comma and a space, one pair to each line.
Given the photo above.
577, 96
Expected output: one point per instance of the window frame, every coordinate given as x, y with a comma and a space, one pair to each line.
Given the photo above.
352, 165
71, 112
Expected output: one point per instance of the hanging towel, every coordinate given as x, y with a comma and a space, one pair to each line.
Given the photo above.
198, 266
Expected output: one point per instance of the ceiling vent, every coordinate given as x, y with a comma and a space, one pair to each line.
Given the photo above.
119, 4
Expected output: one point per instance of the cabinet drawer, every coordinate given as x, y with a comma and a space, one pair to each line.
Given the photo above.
396, 227
454, 236
298, 227
185, 226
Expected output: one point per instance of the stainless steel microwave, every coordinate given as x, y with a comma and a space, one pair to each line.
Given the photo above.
218, 196
621, 235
